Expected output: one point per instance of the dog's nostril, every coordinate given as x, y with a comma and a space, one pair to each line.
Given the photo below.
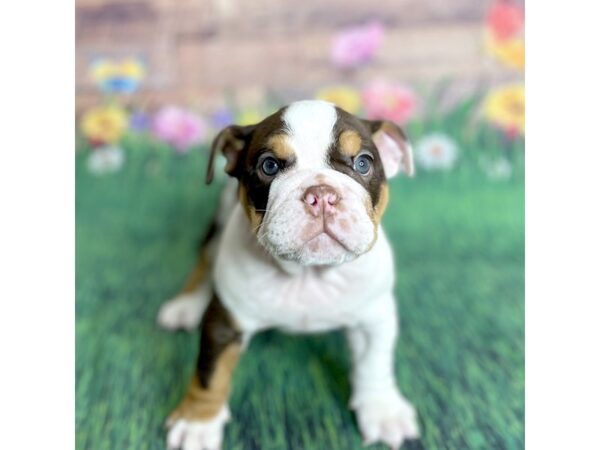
311, 199
321, 194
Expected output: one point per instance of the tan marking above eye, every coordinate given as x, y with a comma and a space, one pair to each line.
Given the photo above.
279, 144
350, 143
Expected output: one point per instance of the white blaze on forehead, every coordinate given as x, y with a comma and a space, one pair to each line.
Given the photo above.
310, 126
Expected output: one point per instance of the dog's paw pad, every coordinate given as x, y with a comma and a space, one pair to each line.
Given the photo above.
387, 419
186, 434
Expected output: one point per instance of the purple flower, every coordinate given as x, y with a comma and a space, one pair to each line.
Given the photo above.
139, 121
356, 45
221, 118
179, 127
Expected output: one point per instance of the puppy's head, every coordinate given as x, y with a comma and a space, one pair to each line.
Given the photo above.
312, 179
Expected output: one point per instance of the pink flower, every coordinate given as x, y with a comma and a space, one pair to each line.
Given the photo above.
357, 45
505, 20
178, 127
386, 101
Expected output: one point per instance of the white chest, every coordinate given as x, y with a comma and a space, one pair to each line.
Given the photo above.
260, 294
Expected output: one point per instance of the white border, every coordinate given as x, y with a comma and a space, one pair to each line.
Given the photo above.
563, 226
37, 224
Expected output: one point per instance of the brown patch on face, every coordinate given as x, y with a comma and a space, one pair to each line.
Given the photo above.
220, 349
279, 144
379, 208
268, 136
253, 215
350, 143
352, 138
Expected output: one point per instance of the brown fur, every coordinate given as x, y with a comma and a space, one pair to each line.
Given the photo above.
254, 216
379, 208
202, 403
198, 274
220, 349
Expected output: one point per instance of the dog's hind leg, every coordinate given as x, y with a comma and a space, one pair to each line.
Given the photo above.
185, 310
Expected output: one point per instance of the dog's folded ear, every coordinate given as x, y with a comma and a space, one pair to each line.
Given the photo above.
230, 142
393, 146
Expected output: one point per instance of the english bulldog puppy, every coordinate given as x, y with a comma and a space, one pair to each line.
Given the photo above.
299, 248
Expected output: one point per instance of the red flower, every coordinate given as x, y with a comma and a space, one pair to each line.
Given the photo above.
505, 20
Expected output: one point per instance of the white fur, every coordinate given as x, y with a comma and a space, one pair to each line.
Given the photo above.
198, 435
309, 124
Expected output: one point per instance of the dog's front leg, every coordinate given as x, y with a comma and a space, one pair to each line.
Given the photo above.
383, 414
198, 422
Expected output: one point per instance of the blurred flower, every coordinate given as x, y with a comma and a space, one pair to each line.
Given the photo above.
505, 20
122, 76
436, 151
510, 52
249, 97
504, 34
107, 159
497, 169
104, 124
505, 108
249, 117
356, 45
345, 97
139, 121
179, 127
387, 101
222, 118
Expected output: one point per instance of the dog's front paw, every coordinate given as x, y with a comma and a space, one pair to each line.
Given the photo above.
186, 434
388, 418
182, 312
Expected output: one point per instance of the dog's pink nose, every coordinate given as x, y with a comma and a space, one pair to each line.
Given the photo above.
321, 199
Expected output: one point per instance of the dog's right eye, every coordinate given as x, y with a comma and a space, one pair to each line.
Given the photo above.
270, 166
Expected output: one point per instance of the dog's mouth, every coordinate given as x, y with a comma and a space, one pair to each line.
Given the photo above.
324, 236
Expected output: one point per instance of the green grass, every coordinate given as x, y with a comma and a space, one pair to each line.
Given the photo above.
458, 241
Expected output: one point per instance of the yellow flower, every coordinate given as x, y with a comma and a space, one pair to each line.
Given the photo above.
249, 117
122, 76
505, 107
510, 52
104, 124
345, 97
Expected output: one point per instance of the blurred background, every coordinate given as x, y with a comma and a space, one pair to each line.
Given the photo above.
157, 79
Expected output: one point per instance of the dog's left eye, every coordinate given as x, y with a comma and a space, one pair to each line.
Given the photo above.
270, 166
363, 163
